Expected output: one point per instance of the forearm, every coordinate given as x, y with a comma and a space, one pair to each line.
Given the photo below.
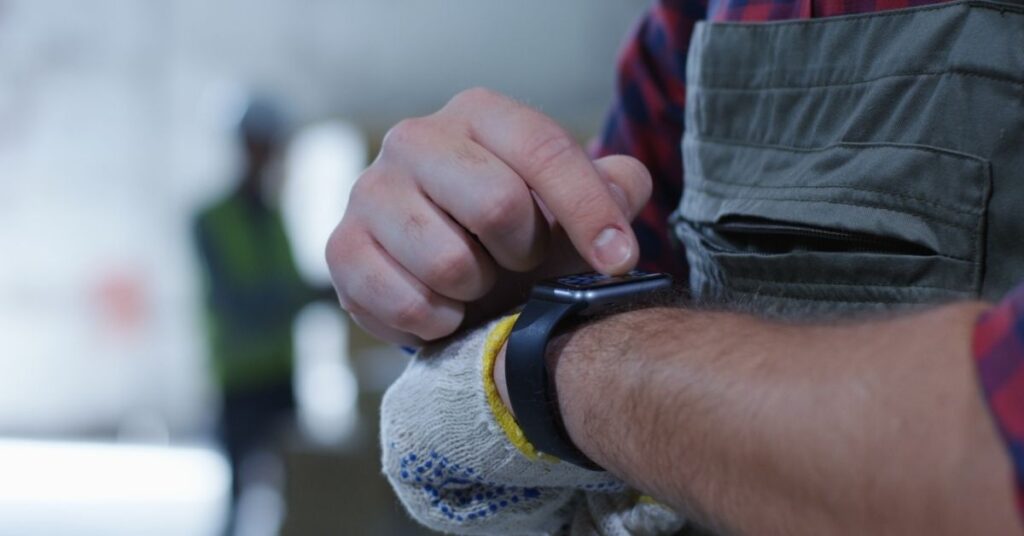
769, 428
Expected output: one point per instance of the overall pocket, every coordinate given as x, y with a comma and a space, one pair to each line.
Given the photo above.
848, 227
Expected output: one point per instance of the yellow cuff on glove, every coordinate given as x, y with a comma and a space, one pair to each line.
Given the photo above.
495, 340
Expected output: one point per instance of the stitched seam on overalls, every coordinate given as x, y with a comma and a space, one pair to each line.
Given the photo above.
860, 145
825, 300
737, 253
723, 252
828, 202
911, 74
852, 188
850, 285
907, 12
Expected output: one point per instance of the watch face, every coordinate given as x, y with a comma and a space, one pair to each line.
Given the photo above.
594, 289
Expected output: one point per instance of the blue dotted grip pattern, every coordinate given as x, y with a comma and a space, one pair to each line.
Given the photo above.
461, 494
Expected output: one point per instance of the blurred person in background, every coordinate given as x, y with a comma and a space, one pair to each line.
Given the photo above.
253, 292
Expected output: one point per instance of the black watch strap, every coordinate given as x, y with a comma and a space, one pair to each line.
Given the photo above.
529, 388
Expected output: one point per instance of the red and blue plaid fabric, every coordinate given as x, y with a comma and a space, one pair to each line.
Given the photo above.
646, 121
999, 354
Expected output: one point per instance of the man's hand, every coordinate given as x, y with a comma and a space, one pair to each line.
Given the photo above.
484, 186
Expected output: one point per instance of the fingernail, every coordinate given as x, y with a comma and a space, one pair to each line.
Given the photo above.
620, 197
611, 247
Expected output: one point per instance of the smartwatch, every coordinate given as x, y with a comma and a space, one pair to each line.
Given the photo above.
530, 392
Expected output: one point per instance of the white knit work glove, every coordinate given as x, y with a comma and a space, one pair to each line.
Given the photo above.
459, 463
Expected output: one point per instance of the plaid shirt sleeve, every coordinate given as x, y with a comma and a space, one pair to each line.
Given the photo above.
646, 119
999, 354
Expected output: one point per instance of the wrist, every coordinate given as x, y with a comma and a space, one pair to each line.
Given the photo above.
610, 358
499, 378
554, 348
574, 371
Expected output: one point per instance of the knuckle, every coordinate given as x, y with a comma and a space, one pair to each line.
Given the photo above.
412, 314
343, 285
500, 212
346, 263
451, 270
338, 246
405, 133
581, 207
467, 157
415, 226
365, 185
476, 96
645, 186
346, 299
348, 303
374, 192
641, 178
547, 148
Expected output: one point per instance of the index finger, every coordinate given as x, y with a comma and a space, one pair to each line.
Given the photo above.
554, 166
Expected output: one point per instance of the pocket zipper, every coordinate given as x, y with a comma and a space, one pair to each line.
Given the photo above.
817, 238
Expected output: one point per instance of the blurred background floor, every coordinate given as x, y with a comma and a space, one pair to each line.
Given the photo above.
117, 125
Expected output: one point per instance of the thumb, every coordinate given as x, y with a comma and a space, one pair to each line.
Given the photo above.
628, 180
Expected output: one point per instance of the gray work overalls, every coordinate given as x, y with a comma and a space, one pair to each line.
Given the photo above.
858, 162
